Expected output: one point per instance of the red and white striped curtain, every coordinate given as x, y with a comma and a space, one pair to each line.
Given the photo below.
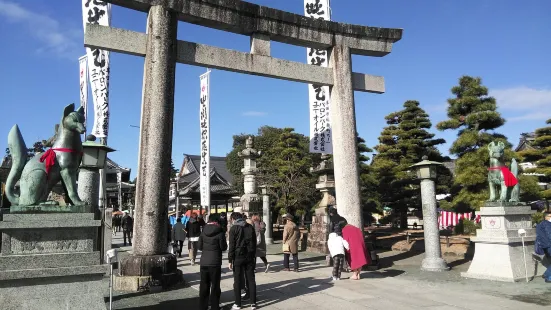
450, 219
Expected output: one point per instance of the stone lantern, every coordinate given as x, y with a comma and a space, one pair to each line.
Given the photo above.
93, 159
426, 173
250, 201
319, 230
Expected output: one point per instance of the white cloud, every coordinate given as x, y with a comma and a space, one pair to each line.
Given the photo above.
525, 102
54, 37
522, 98
254, 113
534, 116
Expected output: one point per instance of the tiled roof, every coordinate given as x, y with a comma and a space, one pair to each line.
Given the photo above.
193, 163
113, 166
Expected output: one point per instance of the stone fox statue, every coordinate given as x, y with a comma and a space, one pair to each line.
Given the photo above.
43, 171
500, 178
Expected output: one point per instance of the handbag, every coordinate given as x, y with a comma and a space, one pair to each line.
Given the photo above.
286, 248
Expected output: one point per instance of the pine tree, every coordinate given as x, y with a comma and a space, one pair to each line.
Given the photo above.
539, 153
368, 180
473, 113
285, 164
403, 143
173, 170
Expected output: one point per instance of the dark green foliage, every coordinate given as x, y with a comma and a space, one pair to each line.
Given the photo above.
285, 164
402, 143
173, 170
368, 180
539, 153
473, 113
529, 188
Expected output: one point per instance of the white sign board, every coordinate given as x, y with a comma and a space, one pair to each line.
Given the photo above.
98, 12
319, 97
204, 124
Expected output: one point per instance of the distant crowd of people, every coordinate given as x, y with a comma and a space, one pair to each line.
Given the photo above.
244, 240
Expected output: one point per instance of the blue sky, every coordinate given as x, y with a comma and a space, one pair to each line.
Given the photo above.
505, 42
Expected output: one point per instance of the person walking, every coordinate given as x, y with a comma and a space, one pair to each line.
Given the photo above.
291, 236
116, 224
543, 242
241, 258
260, 230
193, 231
127, 227
179, 235
356, 256
212, 243
337, 246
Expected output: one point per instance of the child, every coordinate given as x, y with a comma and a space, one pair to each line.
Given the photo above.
337, 245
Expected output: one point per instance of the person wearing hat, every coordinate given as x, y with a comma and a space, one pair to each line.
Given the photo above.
291, 236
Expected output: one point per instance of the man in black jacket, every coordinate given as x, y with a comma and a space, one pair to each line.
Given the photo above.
241, 258
212, 243
127, 227
193, 231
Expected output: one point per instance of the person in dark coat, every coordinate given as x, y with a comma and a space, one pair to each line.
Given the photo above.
223, 221
241, 258
543, 240
127, 228
212, 243
193, 231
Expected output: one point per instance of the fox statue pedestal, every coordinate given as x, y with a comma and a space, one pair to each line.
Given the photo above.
40, 252
498, 252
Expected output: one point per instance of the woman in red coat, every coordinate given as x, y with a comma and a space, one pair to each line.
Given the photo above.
357, 255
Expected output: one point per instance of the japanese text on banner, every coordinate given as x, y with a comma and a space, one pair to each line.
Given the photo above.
204, 123
319, 97
98, 12
83, 72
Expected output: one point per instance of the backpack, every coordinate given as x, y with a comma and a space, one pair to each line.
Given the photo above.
245, 245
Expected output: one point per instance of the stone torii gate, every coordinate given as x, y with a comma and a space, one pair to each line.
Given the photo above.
162, 51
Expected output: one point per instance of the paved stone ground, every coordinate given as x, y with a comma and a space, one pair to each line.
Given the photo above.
398, 285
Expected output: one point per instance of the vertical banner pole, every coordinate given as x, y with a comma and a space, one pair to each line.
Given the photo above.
204, 123
99, 12
319, 96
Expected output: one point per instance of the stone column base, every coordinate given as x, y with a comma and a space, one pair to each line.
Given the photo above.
434, 264
133, 284
136, 271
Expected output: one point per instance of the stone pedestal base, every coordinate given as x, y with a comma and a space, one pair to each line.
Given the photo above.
67, 292
498, 253
136, 271
319, 232
49, 245
51, 260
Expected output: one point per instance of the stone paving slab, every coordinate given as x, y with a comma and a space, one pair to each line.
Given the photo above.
401, 286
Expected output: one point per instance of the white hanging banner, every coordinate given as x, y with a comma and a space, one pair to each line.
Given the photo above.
98, 12
319, 97
204, 123
83, 71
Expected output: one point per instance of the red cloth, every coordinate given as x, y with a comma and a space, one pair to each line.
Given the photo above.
508, 176
357, 255
48, 158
